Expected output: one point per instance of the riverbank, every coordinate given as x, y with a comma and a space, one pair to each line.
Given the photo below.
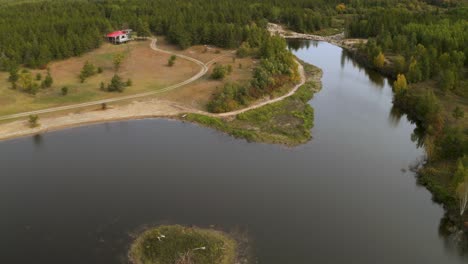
291, 123
439, 170
288, 121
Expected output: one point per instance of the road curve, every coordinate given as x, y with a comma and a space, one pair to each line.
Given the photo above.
203, 71
274, 100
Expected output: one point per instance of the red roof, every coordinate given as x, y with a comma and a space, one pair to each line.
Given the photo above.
116, 34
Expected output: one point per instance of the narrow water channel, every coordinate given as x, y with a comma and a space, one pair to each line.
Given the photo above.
76, 196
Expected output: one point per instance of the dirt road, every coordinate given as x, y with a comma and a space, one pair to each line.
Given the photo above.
134, 110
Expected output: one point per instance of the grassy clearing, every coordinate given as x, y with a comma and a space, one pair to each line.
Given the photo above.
199, 93
286, 122
146, 68
176, 244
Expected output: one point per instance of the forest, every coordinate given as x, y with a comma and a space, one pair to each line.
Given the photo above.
62, 29
418, 43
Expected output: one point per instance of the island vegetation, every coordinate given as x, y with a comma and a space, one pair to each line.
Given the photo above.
183, 245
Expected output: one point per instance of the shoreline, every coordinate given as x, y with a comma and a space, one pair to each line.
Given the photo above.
139, 109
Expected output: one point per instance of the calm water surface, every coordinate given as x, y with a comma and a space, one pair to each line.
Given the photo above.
75, 196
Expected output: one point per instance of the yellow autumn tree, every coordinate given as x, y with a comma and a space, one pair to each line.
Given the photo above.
400, 85
340, 8
379, 60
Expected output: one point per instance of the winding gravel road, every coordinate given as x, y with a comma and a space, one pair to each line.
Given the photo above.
204, 69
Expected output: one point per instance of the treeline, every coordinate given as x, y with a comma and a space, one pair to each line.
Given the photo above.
429, 45
33, 33
277, 67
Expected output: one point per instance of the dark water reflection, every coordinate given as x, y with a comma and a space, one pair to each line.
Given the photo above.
75, 196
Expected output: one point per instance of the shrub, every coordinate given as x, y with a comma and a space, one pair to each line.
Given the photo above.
48, 81
219, 72
87, 71
116, 84
171, 60
33, 121
64, 90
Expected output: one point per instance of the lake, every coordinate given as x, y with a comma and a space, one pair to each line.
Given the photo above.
77, 195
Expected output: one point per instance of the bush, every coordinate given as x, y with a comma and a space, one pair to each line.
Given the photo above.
129, 82
64, 90
33, 121
87, 71
231, 97
116, 84
171, 61
48, 81
219, 72
38, 77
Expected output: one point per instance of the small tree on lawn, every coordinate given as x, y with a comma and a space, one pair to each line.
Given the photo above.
219, 72
88, 70
116, 84
64, 90
118, 59
14, 75
171, 61
48, 81
33, 121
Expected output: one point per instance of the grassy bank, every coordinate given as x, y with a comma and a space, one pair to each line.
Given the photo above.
179, 244
286, 122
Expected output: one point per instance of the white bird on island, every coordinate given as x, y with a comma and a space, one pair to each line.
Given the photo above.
200, 248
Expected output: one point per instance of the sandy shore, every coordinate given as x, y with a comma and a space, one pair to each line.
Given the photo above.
134, 110
338, 39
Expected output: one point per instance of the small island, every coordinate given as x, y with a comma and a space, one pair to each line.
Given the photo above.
183, 245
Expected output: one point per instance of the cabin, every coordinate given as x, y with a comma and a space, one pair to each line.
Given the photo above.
121, 36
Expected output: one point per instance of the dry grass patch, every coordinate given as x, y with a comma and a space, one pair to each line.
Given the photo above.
199, 93
147, 69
